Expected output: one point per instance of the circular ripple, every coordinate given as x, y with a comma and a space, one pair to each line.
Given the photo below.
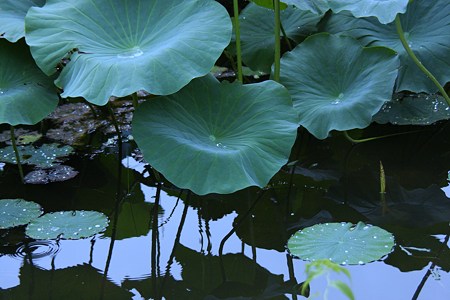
37, 250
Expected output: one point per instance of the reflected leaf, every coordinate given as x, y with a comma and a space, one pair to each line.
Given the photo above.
342, 243
336, 84
16, 212
415, 208
103, 40
80, 282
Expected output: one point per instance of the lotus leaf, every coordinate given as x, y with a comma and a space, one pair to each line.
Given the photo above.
343, 243
12, 17
414, 110
26, 94
120, 47
257, 27
315, 6
67, 225
16, 212
336, 84
426, 25
218, 137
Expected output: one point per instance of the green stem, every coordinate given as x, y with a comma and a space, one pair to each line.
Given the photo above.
276, 74
134, 97
237, 31
16, 152
358, 141
419, 64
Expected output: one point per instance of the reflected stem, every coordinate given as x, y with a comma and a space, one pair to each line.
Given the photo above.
292, 278
176, 243
116, 126
155, 241
429, 271
401, 34
359, 141
134, 98
16, 152
237, 32
276, 72
233, 230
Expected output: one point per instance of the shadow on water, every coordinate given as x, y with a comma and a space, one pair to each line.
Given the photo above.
166, 243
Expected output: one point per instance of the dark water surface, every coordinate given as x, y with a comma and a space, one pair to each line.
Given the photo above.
164, 243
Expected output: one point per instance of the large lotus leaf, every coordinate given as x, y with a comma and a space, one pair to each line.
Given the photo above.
12, 17
257, 27
420, 109
427, 29
26, 94
343, 243
120, 47
213, 137
336, 84
315, 6
67, 224
15, 212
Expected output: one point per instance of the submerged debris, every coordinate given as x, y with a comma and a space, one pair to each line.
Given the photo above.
54, 174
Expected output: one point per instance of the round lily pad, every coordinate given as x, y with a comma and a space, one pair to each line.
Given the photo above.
342, 243
214, 137
159, 46
67, 224
16, 212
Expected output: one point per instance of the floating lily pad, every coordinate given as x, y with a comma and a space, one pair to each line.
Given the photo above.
47, 155
214, 137
26, 94
342, 243
12, 17
105, 40
257, 26
414, 110
336, 84
67, 224
426, 25
16, 212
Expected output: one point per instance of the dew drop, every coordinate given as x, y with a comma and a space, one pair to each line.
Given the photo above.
132, 53
360, 262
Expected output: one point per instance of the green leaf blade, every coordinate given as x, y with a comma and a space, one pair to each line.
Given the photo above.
17, 212
218, 137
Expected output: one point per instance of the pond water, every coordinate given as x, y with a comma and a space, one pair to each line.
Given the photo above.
165, 243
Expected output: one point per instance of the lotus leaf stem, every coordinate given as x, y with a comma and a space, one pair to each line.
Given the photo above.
16, 152
276, 74
419, 64
116, 126
237, 31
358, 141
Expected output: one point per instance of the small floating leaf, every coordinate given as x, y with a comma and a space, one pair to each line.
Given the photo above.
16, 212
67, 224
421, 109
48, 155
342, 243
